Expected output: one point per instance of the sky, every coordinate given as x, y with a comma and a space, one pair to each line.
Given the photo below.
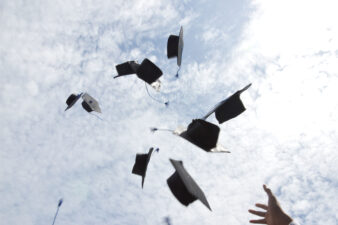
286, 138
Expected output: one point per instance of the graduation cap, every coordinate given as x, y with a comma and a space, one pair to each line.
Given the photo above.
175, 47
183, 187
71, 100
146, 71
141, 164
201, 133
229, 108
127, 68
90, 104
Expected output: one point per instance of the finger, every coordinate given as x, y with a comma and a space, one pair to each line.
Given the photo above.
272, 197
262, 221
267, 190
258, 213
262, 206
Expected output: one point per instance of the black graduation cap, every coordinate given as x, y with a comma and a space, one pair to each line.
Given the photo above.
183, 187
90, 104
146, 71
127, 68
175, 47
202, 133
72, 99
141, 164
229, 108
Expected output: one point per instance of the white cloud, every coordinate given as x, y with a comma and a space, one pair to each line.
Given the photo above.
286, 138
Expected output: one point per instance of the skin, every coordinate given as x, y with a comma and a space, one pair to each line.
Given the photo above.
273, 214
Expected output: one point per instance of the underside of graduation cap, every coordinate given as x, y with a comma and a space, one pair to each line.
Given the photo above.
126, 68
202, 133
90, 104
172, 46
175, 47
141, 164
231, 107
148, 71
86, 107
71, 100
183, 187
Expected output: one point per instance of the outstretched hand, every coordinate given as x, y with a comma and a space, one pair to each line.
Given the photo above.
273, 214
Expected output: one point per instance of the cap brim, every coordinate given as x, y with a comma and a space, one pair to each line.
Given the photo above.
189, 182
180, 47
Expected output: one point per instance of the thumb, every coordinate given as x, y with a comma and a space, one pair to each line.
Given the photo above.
270, 194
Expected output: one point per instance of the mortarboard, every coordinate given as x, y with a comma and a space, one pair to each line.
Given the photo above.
71, 100
146, 71
141, 164
183, 187
127, 68
175, 47
90, 104
229, 108
201, 133
204, 135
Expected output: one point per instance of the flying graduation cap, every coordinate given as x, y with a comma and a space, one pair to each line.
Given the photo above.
175, 48
146, 71
201, 133
183, 187
90, 104
228, 108
141, 164
72, 99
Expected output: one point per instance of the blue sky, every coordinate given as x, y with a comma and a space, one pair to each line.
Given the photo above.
286, 138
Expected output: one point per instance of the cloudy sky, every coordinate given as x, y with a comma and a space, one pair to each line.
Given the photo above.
287, 137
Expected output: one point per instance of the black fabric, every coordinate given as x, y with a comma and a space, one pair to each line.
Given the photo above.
86, 107
202, 133
183, 186
232, 107
71, 99
179, 190
140, 165
172, 46
148, 71
125, 68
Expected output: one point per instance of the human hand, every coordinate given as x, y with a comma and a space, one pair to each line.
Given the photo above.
274, 214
